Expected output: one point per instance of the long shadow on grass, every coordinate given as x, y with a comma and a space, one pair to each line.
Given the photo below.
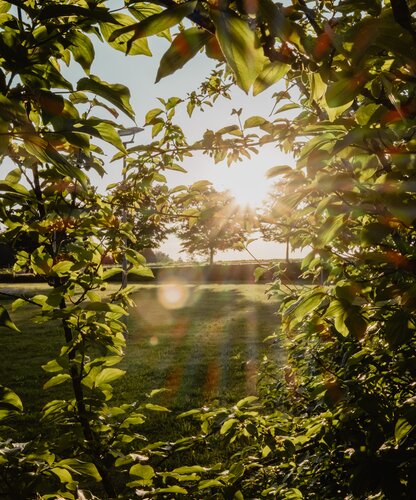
208, 350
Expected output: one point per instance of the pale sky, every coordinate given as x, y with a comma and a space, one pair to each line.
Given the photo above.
246, 180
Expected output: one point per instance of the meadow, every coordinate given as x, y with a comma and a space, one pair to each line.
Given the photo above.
203, 344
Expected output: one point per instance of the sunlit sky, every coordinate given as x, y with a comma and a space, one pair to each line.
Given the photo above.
246, 180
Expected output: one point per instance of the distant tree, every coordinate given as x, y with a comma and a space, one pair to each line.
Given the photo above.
214, 221
142, 204
162, 256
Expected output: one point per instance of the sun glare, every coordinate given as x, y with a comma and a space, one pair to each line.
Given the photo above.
173, 295
248, 186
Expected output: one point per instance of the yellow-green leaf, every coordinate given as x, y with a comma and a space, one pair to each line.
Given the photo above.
56, 380
137, 47
143, 471
108, 375
240, 46
156, 23
5, 319
184, 47
271, 73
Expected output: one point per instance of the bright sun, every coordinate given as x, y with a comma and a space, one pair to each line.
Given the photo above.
248, 186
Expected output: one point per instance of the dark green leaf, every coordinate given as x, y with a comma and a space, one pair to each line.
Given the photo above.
117, 94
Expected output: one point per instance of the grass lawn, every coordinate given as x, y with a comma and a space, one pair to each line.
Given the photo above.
202, 343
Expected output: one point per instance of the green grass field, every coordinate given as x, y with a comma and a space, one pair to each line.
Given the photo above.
202, 343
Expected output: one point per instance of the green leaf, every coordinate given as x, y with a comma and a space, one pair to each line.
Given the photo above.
184, 47
82, 50
106, 132
172, 489
56, 380
192, 469
255, 121
4, 137
209, 483
156, 23
329, 229
338, 310
63, 474
143, 471
52, 366
48, 154
9, 399
246, 401
141, 271
4, 7
271, 73
138, 47
258, 273
345, 90
402, 429
374, 233
108, 375
82, 468
6, 321
227, 425
307, 303
278, 170
11, 187
240, 46
117, 94
63, 267
104, 307
109, 273
153, 407
152, 114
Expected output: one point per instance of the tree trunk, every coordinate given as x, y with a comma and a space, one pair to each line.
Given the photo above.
211, 256
287, 250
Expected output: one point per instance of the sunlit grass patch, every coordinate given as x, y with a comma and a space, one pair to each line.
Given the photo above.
205, 347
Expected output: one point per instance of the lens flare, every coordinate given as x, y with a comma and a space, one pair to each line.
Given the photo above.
173, 295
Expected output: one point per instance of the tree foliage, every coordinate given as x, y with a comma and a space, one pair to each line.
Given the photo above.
212, 221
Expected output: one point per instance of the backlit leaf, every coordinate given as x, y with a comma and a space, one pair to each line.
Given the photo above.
117, 94
227, 425
156, 23
137, 47
402, 429
345, 90
184, 47
82, 468
56, 380
82, 50
271, 73
108, 375
9, 399
5, 319
143, 471
240, 47
278, 170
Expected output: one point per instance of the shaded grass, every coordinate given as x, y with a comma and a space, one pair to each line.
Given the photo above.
207, 350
